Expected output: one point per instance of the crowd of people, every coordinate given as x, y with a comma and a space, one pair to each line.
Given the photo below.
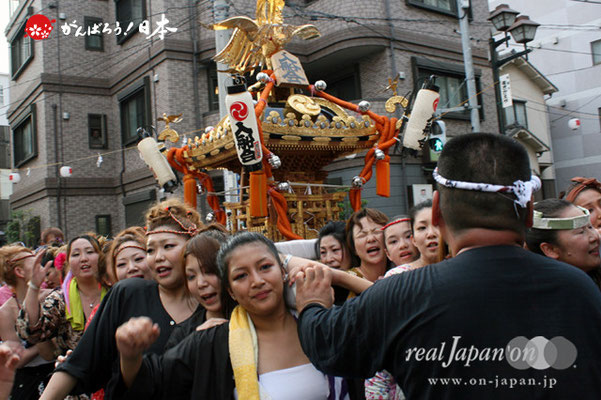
374, 308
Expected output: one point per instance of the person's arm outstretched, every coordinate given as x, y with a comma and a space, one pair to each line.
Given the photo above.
133, 338
339, 277
32, 301
349, 340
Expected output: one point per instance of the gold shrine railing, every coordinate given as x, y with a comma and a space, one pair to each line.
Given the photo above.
307, 214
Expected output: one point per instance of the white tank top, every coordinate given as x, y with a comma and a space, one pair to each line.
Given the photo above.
303, 382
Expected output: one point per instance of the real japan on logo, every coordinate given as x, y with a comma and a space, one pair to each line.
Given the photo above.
520, 353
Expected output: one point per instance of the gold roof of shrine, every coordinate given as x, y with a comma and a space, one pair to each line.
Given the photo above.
307, 133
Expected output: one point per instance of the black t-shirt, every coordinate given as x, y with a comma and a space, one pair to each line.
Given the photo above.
96, 359
197, 368
445, 331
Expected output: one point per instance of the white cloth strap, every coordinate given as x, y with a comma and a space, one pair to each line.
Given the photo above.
522, 190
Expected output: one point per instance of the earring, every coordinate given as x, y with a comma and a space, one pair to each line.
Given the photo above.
285, 277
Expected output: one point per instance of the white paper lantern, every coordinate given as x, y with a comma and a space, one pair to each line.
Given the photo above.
14, 177
66, 171
574, 124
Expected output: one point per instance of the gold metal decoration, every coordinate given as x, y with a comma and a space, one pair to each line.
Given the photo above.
339, 111
304, 105
168, 133
392, 102
392, 85
255, 41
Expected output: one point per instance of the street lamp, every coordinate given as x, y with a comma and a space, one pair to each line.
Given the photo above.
503, 17
523, 30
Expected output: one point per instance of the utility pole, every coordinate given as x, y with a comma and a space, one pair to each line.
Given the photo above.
221, 10
462, 7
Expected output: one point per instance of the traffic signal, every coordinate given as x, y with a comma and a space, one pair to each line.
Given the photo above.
437, 139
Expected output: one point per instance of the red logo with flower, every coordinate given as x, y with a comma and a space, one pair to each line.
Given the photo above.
435, 104
239, 111
38, 27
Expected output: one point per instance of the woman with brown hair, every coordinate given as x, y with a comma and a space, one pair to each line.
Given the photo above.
366, 242
63, 314
424, 236
16, 266
586, 193
170, 225
128, 255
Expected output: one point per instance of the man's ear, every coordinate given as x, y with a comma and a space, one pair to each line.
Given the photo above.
529, 213
436, 214
550, 250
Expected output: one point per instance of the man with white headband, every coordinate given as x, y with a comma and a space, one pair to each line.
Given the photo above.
494, 322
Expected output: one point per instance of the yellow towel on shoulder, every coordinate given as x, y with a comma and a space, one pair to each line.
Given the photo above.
243, 346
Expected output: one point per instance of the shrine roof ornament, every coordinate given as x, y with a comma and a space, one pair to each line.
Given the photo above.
254, 41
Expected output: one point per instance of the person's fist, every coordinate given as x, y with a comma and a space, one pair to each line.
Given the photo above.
62, 359
10, 355
135, 336
313, 285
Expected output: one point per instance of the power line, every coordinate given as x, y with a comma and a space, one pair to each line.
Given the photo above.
555, 50
587, 1
572, 112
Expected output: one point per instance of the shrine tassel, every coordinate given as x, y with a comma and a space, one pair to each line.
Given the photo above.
281, 207
355, 198
258, 194
190, 190
383, 177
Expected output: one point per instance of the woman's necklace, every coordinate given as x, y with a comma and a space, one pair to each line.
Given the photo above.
92, 301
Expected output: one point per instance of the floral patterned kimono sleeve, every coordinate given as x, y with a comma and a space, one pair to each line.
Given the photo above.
51, 323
